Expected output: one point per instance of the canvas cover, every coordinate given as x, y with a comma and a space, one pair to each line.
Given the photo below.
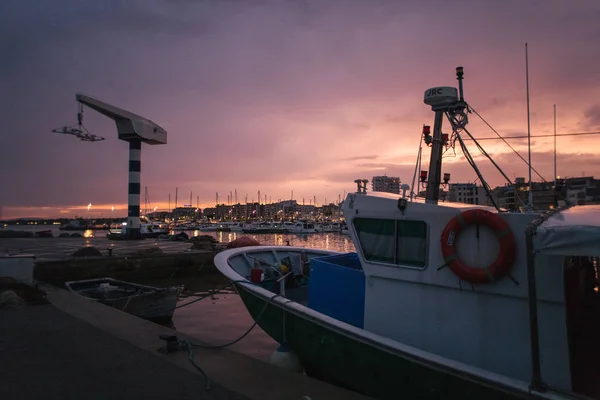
572, 232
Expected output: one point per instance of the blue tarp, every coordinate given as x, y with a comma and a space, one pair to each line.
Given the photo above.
337, 288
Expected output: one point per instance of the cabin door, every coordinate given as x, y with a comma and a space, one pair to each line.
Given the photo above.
582, 304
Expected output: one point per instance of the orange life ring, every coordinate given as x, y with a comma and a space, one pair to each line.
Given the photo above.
506, 255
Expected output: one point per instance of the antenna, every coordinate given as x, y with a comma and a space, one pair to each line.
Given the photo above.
78, 130
530, 200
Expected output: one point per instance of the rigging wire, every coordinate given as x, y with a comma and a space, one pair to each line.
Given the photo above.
481, 149
503, 139
539, 136
417, 168
458, 119
470, 160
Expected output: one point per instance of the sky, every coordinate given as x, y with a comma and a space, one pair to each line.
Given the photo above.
283, 95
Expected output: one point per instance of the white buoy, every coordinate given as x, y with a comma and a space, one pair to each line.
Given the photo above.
285, 358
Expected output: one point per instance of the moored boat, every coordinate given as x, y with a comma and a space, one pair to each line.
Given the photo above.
441, 300
143, 301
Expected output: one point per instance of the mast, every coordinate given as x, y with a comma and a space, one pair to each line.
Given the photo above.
442, 100
555, 145
530, 200
435, 163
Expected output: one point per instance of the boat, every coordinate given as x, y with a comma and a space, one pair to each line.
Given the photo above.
147, 302
148, 230
75, 225
301, 228
416, 313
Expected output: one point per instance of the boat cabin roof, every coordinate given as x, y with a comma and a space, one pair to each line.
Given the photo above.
573, 231
379, 196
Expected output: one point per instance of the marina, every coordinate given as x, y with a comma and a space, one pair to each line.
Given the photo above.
172, 224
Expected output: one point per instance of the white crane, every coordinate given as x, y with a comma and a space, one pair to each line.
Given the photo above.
133, 129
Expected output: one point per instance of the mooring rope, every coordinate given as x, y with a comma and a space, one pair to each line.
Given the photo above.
189, 345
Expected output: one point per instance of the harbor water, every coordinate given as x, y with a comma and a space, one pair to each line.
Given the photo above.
332, 241
214, 320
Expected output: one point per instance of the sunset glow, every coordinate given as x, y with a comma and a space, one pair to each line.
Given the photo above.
282, 96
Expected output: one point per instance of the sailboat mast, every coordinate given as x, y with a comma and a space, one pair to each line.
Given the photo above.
530, 200
555, 145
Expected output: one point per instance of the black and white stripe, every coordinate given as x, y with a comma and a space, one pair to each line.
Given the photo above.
135, 168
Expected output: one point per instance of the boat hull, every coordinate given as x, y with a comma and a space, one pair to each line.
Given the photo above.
150, 303
350, 362
156, 306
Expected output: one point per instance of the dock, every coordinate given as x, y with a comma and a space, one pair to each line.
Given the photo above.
77, 349
126, 260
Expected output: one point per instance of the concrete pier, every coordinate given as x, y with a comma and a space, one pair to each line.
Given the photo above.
78, 349
129, 260
159, 266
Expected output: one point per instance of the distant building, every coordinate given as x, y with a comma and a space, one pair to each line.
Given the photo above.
210, 212
468, 193
580, 191
388, 184
184, 212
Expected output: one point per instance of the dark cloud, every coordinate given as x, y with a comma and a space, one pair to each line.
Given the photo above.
592, 116
363, 157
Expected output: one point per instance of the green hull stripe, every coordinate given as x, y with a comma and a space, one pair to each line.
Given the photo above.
345, 361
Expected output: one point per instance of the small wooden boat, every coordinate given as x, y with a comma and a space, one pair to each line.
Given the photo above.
143, 301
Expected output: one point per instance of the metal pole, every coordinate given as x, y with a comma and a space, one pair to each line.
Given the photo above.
536, 370
555, 145
435, 163
555, 188
530, 205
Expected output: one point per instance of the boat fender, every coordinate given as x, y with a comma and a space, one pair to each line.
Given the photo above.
286, 359
506, 254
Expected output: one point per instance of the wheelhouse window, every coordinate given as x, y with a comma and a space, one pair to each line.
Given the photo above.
398, 242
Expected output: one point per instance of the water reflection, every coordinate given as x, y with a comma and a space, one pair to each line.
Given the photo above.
220, 318
328, 241
333, 241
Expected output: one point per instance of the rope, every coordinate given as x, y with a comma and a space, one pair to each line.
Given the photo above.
209, 294
190, 345
479, 175
258, 317
504, 140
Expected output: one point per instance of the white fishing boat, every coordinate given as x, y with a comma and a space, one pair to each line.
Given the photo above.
143, 301
302, 228
440, 300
